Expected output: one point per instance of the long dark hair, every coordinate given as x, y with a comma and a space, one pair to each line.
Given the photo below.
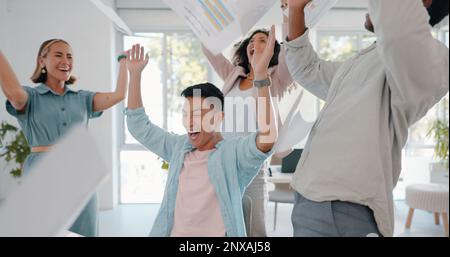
240, 57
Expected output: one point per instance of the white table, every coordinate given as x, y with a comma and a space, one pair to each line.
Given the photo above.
278, 177
282, 193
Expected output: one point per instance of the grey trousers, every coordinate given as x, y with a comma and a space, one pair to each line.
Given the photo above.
332, 219
257, 191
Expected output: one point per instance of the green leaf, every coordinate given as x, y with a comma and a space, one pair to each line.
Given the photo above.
15, 147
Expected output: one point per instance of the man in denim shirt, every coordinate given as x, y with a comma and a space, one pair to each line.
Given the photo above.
208, 175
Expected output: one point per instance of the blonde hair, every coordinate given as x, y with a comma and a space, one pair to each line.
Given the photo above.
40, 77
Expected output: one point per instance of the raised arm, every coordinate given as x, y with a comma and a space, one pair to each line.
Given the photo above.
304, 64
104, 101
219, 62
416, 63
11, 87
267, 124
149, 135
254, 149
136, 64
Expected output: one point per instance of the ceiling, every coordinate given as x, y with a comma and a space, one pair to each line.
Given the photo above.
159, 5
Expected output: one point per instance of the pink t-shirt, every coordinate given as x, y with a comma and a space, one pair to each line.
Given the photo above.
197, 209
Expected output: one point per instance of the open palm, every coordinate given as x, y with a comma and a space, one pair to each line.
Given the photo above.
137, 59
261, 59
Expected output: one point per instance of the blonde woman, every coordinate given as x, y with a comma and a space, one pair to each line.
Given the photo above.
48, 110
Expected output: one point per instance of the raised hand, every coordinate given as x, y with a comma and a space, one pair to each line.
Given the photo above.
261, 60
10, 85
137, 59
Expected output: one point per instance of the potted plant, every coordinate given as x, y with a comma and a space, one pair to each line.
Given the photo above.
439, 169
14, 148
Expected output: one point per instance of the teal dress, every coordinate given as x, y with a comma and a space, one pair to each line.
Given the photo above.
47, 117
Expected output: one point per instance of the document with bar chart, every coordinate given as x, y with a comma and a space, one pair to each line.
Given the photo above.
218, 23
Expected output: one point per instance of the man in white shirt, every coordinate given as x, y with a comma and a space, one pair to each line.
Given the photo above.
352, 160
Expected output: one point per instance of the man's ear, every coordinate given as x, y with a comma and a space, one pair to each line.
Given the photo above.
427, 3
218, 119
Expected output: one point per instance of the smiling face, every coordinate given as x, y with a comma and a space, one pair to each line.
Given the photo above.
58, 62
257, 44
201, 120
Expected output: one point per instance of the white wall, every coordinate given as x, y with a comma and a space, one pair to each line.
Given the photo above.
25, 24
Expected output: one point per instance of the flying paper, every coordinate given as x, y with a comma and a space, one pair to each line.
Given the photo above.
294, 130
218, 23
51, 197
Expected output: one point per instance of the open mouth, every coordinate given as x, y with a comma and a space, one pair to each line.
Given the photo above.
194, 135
65, 70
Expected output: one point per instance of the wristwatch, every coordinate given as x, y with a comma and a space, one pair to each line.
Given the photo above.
262, 83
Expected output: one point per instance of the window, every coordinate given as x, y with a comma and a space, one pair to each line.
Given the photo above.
341, 45
419, 144
176, 61
419, 150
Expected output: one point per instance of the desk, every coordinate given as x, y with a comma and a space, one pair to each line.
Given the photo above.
278, 177
283, 193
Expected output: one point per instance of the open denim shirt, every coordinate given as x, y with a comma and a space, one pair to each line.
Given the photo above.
231, 168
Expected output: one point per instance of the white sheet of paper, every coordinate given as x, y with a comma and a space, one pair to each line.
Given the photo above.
51, 197
294, 130
316, 9
218, 23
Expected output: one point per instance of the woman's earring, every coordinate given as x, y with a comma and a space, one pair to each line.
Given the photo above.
43, 71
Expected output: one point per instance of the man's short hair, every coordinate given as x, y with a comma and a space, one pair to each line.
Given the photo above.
438, 11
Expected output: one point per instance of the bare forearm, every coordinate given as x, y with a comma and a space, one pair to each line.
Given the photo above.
297, 25
268, 129
11, 87
104, 101
122, 81
134, 94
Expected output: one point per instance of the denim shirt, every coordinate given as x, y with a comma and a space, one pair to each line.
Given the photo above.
231, 168
48, 116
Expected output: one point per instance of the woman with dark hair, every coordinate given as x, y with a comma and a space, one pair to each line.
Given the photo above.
238, 77
48, 111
